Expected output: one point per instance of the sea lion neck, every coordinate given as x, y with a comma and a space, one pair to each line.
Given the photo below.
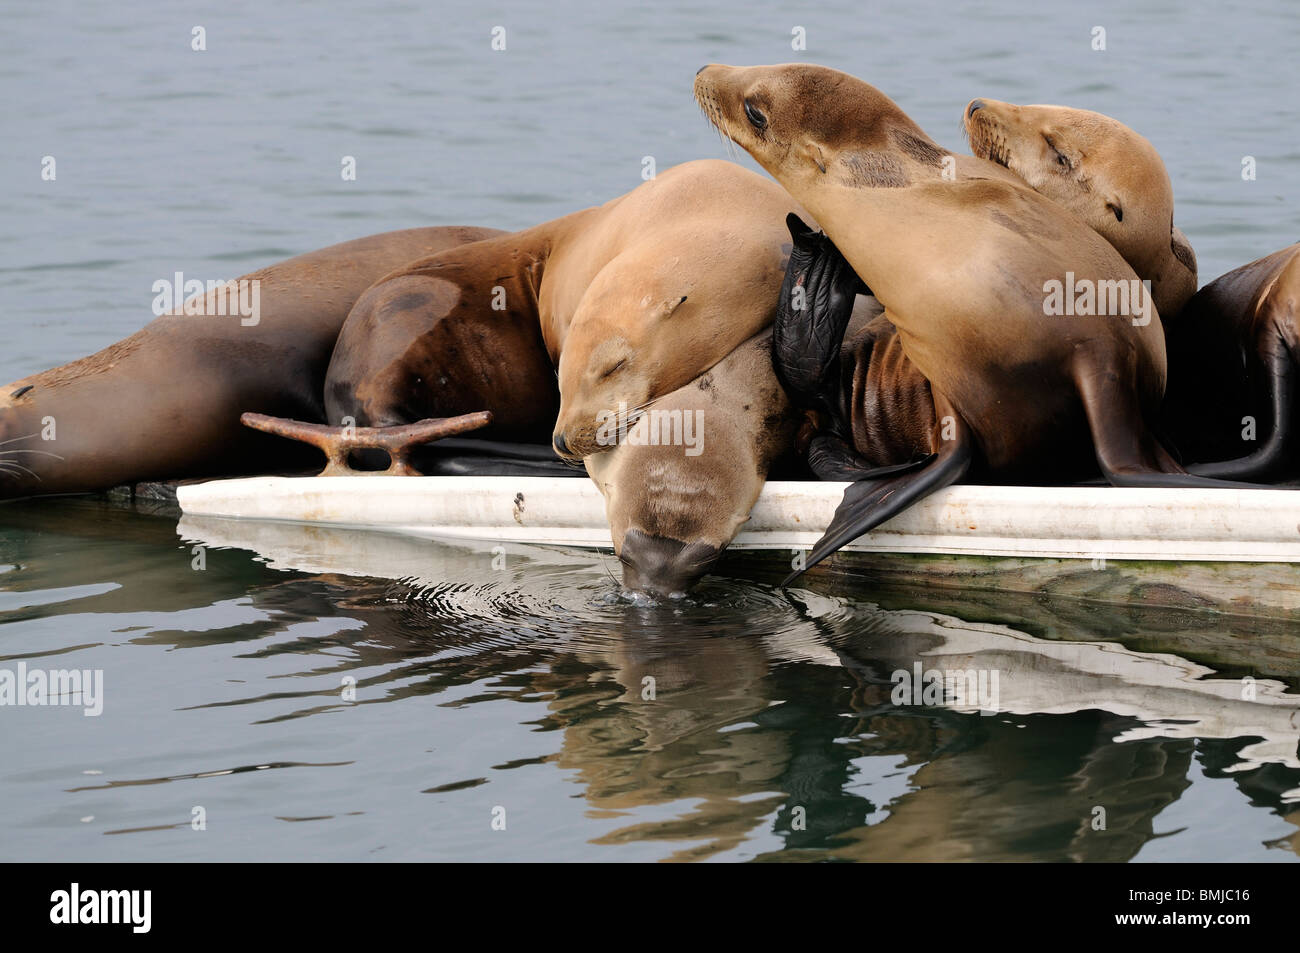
509, 277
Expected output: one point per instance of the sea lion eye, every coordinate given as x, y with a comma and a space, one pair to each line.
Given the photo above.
613, 369
1061, 159
756, 118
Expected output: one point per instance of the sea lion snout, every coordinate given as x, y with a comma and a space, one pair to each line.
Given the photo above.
974, 106
664, 567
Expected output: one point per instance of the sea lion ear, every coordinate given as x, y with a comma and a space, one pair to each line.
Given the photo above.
669, 305
814, 152
1115, 209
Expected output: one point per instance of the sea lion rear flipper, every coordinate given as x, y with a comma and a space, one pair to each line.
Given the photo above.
813, 310
868, 503
338, 442
1274, 454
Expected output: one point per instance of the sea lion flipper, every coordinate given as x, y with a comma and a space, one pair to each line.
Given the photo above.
1275, 452
338, 442
1128, 453
799, 229
868, 503
832, 459
812, 313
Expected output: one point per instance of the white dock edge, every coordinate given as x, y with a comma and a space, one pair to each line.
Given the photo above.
1062, 522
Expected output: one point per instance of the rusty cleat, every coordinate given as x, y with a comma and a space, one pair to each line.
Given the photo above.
397, 442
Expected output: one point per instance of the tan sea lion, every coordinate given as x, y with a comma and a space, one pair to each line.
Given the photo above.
165, 402
969, 270
1104, 173
682, 482
1232, 349
627, 304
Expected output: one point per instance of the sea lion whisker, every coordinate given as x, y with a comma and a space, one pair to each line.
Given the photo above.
8, 466
15, 439
46, 453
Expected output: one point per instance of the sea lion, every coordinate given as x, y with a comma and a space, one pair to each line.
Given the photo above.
680, 485
165, 402
624, 306
1232, 348
1093, 166
625, 302
1101, 171
1233, 354
964, 268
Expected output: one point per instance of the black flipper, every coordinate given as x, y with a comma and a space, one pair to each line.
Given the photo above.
1128, 453
832, 459
1274, 454
868, 503
812, 314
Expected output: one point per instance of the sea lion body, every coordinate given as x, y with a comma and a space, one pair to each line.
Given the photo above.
1095, 168
989, 347
165, 402
626, 307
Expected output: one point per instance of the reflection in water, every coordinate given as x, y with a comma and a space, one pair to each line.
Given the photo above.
746, 722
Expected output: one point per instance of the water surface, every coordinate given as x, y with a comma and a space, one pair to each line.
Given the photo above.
771, 734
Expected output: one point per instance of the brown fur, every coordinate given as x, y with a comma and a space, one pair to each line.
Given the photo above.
165, 402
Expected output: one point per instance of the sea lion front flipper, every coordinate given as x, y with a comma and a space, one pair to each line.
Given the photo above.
832, 459
1274, 454
868, 503
812, 313
338, 442
1128, 453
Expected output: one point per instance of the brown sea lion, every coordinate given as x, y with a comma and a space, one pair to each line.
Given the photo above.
165, 402
625, 302
1234, 352
1232, 348
1095, 167
970, 271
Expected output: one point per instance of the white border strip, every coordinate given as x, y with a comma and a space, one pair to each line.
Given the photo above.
1067, 522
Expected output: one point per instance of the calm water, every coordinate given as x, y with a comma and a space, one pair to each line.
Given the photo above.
484, 693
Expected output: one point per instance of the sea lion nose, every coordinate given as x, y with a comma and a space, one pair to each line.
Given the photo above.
975, 106
701, 69
664, 567
561, 445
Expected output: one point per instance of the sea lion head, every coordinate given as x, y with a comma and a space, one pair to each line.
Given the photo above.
655, 318
1103, 172
779, 115
673, 505
618, 356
